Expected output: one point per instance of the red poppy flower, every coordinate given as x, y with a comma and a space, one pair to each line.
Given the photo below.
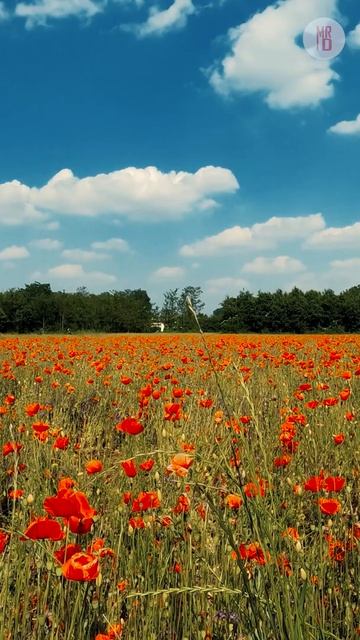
129, 468
146, 500
93, 466
253, 489
32, 409
329, 506
182, 505
345, 394
82, 567
11, 447
338, 438
282, 461
147, 465
69, 503
315, 483
43, 529
137, 523
62, 442
4, 539
40, 427
130, 426
80, 525
334, 483
66, 552
172, 411
252, 551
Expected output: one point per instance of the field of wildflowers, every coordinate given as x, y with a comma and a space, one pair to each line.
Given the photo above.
166, 487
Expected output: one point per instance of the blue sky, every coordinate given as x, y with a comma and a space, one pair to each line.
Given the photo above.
159, 144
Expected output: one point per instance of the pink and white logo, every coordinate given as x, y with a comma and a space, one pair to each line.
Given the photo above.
324, 38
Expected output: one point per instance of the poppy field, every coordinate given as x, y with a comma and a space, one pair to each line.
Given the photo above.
180, 487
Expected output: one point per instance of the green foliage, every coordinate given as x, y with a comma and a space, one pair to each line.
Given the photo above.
36, 308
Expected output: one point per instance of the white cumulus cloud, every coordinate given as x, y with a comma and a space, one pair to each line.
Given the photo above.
82, 255
260, 235
14, 252
137, 194
3, 12
168, 273
354, 38
346, 127
112, 244
47, 244
77, 273
265, 57
162, 21
349, 264
39, 12
272, 266
336, 237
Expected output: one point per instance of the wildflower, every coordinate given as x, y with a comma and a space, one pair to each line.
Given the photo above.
67, 503
180, 464
315, 483
282, 461
254, 489
4, 539
233, 501
334, 483
147, 465
11, 447
62, 442
32, 409
43, 528
291, 532
66, 552
81, 567
329, 506
182, 505
251, 552
129, 468
146, 500
130, 426
93, 466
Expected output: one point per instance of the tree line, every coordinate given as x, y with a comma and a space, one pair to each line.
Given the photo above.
36, 308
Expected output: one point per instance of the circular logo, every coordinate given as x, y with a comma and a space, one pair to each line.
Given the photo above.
324, 38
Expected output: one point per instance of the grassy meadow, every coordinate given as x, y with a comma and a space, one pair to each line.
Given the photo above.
180, 487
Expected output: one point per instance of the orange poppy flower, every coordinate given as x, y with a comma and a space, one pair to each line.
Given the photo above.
233, 501
81, 567
93, 466
32, 409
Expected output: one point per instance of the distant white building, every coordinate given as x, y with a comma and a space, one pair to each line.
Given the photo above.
158, 325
